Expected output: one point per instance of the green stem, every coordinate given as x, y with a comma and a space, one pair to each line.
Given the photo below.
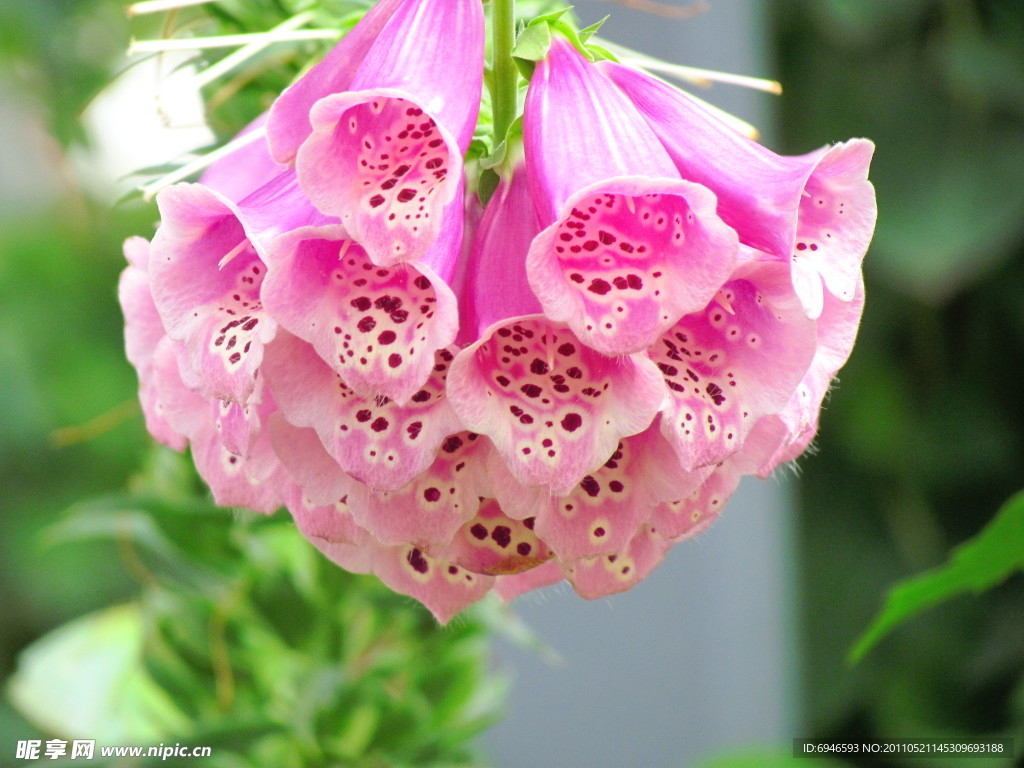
506, 76
504, 84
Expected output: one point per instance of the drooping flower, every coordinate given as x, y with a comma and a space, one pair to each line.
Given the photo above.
738, 359
601, 514
230, 449
385, 151
443, 587
288, 119
793, 428
817, 210
628, 247
380, 442
554, 408
378, 328
143, 332
562, 384
334, 527
207, 267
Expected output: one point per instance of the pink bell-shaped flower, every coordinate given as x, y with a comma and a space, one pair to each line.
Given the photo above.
379, 328
554, 408
386, 146
817, 209
560, 385
207, 267
627, 246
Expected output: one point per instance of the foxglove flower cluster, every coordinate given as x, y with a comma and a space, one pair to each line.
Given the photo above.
559, 386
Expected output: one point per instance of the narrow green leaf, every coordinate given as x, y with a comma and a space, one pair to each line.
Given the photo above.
979, 564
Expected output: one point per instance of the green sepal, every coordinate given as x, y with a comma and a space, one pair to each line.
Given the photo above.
601, 53
497, 155
534, 40
531, 46
587, 32
493, 165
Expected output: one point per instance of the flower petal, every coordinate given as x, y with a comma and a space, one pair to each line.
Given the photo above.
511, 586
628, 258
306, 460
377, 441
324, 523
435, 504
554, 409
244, 170
143, 334
494, 285
444, 588
377, 327
387, 168
798, 420
685, 518
739, 359
603, 512
775, 203
434, 50
254, 480
206, 277
837, 216
571, 104
288, 119
239, 426
594, 577
492, 543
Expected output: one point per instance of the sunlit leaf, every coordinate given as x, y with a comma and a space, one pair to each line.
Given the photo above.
979, 564
84, 680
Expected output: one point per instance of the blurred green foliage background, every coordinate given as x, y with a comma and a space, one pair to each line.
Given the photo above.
922, 442
919, 446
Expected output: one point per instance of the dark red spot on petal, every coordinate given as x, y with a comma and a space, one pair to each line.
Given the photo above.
502, 535
417, 561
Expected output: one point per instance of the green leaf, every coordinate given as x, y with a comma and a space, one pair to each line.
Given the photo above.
769, 758
84, 679
979, 564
